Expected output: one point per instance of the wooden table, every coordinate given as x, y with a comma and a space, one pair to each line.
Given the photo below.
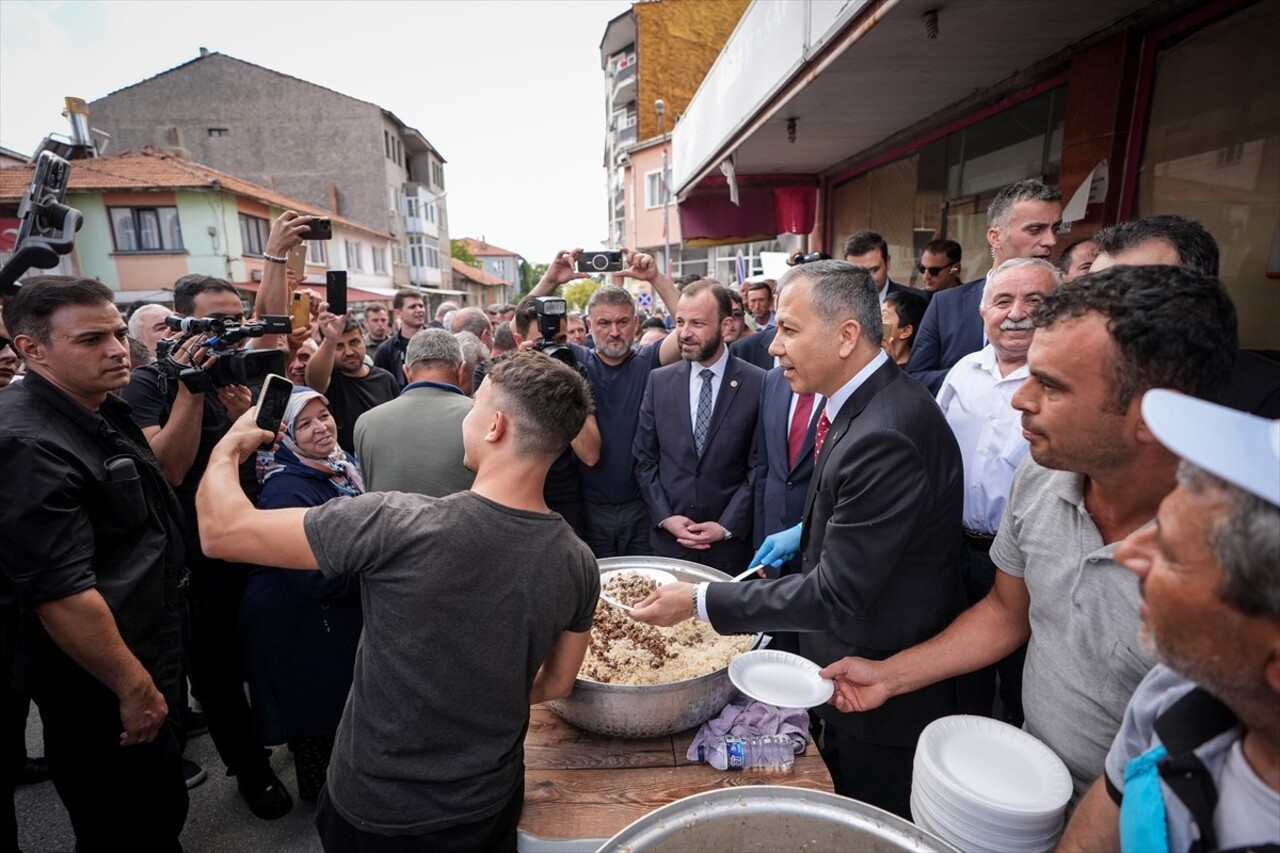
580, 785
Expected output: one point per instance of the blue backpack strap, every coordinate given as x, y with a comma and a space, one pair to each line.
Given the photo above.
1188, 724
1143, 828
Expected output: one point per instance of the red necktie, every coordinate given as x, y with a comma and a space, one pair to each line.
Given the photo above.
799, 426
821, 435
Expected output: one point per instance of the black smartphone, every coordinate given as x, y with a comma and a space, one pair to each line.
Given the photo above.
320, 229
600, 262
273, 399
335, 282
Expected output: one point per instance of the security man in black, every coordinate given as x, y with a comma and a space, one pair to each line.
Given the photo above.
91, 554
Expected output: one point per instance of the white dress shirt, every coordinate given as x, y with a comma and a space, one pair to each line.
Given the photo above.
717, 367
978, 404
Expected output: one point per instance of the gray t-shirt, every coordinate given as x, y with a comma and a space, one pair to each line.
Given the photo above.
1084, 659
463, 599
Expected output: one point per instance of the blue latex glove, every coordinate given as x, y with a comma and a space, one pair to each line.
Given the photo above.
778, 548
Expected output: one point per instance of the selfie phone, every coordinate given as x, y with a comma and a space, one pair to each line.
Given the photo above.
297, 261
600, 262
300, 311
335, 282
273, 399
320, 229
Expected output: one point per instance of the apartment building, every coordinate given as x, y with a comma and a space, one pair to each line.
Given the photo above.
657, 50
349, 157
497, 262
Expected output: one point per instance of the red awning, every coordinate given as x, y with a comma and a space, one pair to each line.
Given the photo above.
709, 218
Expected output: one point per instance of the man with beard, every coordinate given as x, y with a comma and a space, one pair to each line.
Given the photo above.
1095, 474
338, 370
695, 443
616, 520
1196, 765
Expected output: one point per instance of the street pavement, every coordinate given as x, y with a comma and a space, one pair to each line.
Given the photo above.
218, 820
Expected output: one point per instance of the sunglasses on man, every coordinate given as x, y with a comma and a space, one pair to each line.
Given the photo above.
922, 269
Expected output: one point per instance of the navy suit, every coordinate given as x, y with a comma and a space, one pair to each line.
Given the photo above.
950, 330
717, 486
780, 489
755, 348
880, 552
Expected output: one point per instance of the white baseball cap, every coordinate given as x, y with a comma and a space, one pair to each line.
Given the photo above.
1240, 448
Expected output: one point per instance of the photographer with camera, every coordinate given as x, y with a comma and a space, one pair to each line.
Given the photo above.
184, 403
617, 522
539, 325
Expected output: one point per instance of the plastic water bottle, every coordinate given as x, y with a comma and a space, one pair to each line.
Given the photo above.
766, 752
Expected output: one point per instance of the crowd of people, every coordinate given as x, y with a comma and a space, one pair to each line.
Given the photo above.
950, 491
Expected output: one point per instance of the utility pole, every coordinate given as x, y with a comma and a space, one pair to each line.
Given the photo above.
660, 108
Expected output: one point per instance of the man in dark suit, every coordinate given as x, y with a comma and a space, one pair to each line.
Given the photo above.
754, 349
867, 249
784, 455
1022, 222
880, 538
695, 443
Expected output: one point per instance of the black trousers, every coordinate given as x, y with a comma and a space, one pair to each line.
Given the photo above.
217, 663
871, 772
495, 834
978, 690
121, 799
618, 530
14, 707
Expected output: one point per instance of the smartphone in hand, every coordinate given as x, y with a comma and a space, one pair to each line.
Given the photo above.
336, 286
300, 310
273, 399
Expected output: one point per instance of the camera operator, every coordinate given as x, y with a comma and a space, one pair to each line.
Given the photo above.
93, 550
535, 329
182, 426
617, 522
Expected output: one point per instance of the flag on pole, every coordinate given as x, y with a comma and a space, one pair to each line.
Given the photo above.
740, 269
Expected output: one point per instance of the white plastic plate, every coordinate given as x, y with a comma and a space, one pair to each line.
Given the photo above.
780, 678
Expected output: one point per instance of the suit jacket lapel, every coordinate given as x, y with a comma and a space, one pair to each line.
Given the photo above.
852, 407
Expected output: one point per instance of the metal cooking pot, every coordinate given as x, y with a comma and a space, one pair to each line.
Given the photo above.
771, 818
649, 710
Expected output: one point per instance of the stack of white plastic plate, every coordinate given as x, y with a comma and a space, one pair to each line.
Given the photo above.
984, 785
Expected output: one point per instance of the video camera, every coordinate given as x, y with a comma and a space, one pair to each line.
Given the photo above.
551, 312
233, 366
48, 227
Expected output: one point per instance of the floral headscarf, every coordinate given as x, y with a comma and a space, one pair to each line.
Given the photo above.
337, 468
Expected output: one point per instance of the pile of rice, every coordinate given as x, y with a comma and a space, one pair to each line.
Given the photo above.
624, 651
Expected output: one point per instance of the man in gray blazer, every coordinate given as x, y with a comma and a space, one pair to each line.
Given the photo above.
695, 443
414, 442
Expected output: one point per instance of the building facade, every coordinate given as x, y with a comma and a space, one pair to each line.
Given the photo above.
480, 287
656, 50
336, 153
907, 117
497, 263
151, 217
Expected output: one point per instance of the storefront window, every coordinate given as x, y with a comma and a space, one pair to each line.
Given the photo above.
1212, 153
943, 189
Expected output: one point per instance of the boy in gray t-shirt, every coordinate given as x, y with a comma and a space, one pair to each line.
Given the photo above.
475, 606
449, 652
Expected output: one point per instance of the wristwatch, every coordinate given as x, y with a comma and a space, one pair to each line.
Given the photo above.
728, 534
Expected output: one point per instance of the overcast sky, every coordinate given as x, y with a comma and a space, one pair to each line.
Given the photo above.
509, 91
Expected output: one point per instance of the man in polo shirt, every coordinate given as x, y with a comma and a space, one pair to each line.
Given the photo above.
1096, 474
411, 315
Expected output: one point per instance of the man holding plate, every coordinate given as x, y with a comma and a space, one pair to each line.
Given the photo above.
880, 541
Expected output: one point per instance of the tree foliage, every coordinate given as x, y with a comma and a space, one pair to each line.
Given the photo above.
529, 276
459, 250
577, 293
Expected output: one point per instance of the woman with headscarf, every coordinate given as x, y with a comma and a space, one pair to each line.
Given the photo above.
301, 629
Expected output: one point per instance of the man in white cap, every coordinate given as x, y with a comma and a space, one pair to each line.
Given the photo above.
1196, 763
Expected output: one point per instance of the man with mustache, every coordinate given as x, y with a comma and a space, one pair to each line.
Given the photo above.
976, 398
